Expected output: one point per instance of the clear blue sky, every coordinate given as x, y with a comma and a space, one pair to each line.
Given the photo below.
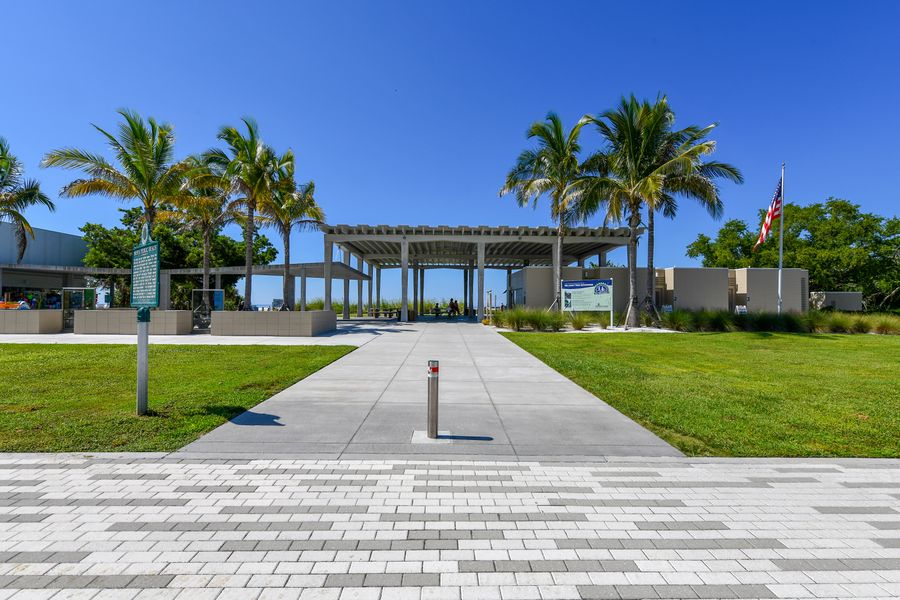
412, 112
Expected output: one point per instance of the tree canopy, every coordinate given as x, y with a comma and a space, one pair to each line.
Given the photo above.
179, 248
843, 248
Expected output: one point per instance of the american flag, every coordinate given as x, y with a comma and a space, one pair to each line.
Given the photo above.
773, 213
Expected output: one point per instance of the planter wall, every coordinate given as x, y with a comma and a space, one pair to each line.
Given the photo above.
31, 321
124, 322
306, 323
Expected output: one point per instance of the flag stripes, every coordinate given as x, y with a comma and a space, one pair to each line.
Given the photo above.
773, 213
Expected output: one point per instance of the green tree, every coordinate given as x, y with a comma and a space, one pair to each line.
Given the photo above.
16, 196
146, 171
843, 248
179, 248
554, 170
205, 208
291, 207
647, 164
250, 167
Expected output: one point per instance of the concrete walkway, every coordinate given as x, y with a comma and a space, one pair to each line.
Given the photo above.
496, 401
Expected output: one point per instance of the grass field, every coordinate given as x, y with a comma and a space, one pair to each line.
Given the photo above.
68, 398
742, 394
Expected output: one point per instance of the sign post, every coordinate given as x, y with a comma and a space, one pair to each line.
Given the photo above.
594, 295
144, 296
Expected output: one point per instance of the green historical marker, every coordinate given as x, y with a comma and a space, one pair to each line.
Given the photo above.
144, 296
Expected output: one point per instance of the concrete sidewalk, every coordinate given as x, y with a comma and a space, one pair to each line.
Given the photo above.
496, 401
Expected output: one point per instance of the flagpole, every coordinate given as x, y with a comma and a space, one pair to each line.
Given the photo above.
781, 239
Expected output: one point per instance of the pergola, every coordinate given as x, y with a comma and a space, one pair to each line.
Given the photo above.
471, 249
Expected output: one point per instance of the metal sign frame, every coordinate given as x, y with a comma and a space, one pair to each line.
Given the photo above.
140, 254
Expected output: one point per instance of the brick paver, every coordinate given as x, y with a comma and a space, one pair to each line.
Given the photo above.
178, 527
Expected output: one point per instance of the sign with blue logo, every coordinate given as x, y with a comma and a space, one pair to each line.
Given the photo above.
588, 294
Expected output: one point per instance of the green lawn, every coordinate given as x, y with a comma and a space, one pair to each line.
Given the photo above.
76, 398
742, 394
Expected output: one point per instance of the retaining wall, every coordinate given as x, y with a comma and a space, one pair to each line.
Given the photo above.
305, 323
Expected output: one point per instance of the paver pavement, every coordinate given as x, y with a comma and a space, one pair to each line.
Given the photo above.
495, 400
127, 527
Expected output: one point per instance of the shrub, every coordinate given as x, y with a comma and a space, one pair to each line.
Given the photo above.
839, 323
886, 324
500, 318
816, 321
678, 320
556, 320
579, 320
538, 319
515, 318
861, 324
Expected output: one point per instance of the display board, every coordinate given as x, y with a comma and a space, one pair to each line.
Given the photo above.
145, 273
588, 295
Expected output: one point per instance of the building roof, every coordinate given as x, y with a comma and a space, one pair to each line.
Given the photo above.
455, 246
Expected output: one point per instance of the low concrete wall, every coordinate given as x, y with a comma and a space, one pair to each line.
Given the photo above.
31, 321
757, 289
305, 323
123, 321
846, 301
697, 288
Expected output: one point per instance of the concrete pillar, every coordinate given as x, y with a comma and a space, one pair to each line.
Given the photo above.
470, 304
359, 286
165, 291
369, 288
422, 306
601, 259
404, 280
581, 262
218, 281
415, 294
329, 251
378, 288
557, 271
346, 313
465, 295
112, 290
480, 300
303, 289
509, 293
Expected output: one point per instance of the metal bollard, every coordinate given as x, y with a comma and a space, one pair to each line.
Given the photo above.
433, 399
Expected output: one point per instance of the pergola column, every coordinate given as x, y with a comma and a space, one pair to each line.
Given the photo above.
329, 251
508, 288
581, 262
422, 292
218, 281
359, 287
601, 259
465, 298
415, 294
346, 312
303, 289
369, 288
165, 291
404, 280
480, 281
557, 271
378, 288
470, 304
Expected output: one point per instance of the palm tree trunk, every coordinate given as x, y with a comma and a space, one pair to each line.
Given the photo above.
557, 266
248, 254
286, 291
206, 244
650, 299
633, 308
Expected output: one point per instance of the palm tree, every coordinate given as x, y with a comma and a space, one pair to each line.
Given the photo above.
552, 169
646, 164
146, 171
204, 207
16, 195
291, 206
250, 167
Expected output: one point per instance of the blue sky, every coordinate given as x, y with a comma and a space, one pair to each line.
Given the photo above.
412, 112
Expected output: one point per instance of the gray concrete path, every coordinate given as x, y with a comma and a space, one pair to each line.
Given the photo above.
496, 400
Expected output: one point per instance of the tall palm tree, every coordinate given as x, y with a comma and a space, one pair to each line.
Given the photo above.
146, 169
16, 195
291, 207
204, 207
555, 170
250, 167
645, 164
694, 179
